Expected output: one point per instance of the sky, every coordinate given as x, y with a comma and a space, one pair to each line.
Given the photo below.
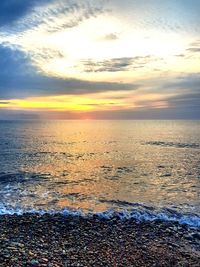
99, 59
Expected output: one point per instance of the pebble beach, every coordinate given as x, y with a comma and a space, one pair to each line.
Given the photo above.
57, 240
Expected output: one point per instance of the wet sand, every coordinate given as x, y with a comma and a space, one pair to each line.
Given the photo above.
56, 240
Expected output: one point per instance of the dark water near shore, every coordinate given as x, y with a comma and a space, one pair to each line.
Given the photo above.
142, 168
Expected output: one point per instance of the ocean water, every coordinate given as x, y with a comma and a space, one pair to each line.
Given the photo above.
140, 169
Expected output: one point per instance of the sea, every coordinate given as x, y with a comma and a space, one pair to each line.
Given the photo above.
145, 170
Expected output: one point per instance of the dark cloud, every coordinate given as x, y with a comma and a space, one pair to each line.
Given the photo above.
130, 114
116, 64
18, 115
190, 82
185, 104
12, 10
72, 14
182, 106
187, 100
18, 78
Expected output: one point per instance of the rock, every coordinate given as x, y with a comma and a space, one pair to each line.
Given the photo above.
34, 263
64, 252
196, 236
6, 256
44, 260
14, 249
189, 237
31, 253
17, 244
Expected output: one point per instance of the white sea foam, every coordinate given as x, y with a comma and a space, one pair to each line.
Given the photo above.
138, 214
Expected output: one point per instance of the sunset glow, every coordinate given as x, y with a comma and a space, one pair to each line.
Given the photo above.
100, 56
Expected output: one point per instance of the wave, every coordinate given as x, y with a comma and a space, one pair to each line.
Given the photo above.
22, 177
173, 144
140, 213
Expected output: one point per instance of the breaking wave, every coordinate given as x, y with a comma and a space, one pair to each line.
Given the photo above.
140, 213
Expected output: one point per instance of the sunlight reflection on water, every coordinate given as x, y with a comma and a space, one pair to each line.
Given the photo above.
97, 165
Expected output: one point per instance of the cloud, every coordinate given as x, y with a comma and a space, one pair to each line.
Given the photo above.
18, 79
195, 47
12, 10
192, 51
116, 64
66, 14
180, 55
184, 103
50, 16
190, 82
168, 16
109, 37
129, 114
4, 102
187, 100
45, 54
181, 106
18, 115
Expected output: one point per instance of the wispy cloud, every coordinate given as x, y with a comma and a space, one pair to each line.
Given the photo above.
12, 10
116, 64
195, 47
109, 37
168, 16
50, 16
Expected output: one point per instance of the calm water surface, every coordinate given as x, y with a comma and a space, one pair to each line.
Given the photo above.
100, 165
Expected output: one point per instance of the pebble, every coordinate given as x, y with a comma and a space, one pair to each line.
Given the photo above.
34, 263
44, 259
48, 241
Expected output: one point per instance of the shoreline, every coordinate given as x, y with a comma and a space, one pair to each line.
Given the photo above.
58, 240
